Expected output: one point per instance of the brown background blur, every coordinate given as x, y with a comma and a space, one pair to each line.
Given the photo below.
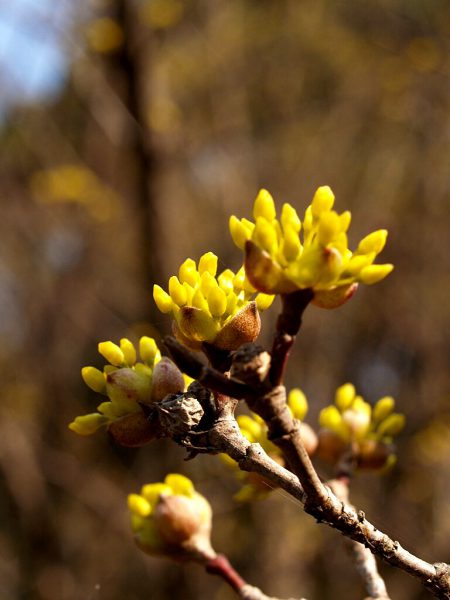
169, 119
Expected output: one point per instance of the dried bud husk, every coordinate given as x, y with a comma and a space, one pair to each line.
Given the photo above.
335, 297
331, 446
167, 379
134, 430
243, 328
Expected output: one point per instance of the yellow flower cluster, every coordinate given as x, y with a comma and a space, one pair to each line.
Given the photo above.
211, 308
171, 518
278, 262
255, 430
127, 383
351, 420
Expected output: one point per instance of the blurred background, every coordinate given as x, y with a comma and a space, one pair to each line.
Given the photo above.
130, 130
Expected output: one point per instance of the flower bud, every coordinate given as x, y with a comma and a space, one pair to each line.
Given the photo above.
129, 351
172, 519
133, 430
323, 201
331, 446
167, 379
335, 297
298, 403
112, 353
345, 396
309, 438
373, 454
264, 206
244, 327
392, 425
128, 385
374, 273
94, 379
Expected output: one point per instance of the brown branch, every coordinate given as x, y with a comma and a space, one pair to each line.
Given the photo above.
288, 325
210, 378
221, 566
363, 558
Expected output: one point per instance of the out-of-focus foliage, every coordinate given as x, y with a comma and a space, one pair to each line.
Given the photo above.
166, 125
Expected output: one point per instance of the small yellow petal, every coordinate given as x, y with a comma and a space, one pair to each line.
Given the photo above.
139, 505
264, 206
112, 353
94, 379
265, 236
148, 349
383, 408
329, 227
290, 218
180, 484
217, 302
264, 301
323, 201
208, 263
177, 291
188, 272
374, 273
298, 403
88, 424
374, 242
129, 351
162, 299
392, 425
345, 394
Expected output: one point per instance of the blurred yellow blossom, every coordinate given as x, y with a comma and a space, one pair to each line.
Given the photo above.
212, 308
127, 384
277, 261
352, 423
172, 519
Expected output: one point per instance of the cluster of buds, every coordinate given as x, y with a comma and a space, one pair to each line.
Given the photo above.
129, 385
352, 425
172, 519
278, 262
255, 430
209, 308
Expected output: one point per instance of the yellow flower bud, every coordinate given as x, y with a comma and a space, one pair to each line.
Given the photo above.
177, 291
250, 428
208, 263
374, 242
139, 505
290, 218
264, 206
152, 491
148, 349
329, 227
297, 403
217, 301
330, 418
180, 484
374, 273
345, 220
129, 351
291, 245
239, 232
392, 425
188, 272
345, 396
383, 408
112, 353
323, 201
88, 424
94, 379
264, 301
162, 299
265, 235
